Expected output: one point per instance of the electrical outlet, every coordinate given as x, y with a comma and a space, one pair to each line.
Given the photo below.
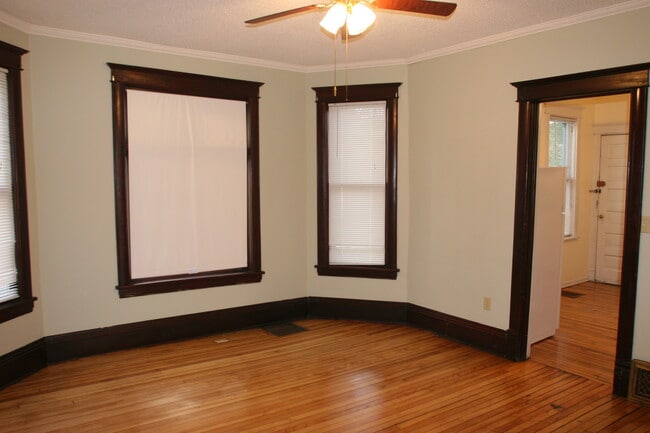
487, 304
645, 224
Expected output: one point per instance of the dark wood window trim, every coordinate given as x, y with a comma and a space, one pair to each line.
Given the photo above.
125, 77
358, 93
632, 80
10, 59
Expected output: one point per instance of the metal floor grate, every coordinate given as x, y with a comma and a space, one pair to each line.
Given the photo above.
282, 329
640, 382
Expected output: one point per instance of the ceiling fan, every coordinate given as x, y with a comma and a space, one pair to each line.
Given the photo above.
357, 15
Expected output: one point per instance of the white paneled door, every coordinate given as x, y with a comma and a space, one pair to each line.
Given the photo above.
610, 207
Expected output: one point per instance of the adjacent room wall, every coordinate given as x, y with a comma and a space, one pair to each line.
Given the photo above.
600, 115
612, 112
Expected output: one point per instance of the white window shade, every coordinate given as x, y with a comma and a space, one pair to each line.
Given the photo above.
187, 184
562, 143
8, 271
357, 183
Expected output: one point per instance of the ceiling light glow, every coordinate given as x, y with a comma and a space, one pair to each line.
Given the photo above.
358, 17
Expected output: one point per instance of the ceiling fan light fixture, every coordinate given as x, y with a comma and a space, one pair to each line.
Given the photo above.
335, 18
361, 17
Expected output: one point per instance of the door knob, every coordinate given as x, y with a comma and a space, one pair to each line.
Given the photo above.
601, 216
596, 191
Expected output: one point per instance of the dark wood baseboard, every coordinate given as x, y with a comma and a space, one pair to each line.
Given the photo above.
22, 362
95, 341
465, 331
622, 377
357, 309
56, 348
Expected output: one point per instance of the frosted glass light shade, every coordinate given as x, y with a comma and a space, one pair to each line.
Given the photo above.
334, 19
360, 18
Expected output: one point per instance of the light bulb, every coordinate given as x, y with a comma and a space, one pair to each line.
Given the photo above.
334, 18
361, 17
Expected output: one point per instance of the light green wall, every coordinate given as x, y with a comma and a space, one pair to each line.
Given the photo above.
463, 129
27, 328
457, 150
74, 179
360, 288
463, 148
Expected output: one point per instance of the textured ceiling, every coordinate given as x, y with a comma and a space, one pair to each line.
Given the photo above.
217, 27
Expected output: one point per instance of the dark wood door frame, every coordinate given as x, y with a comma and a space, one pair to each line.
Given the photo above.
631, 80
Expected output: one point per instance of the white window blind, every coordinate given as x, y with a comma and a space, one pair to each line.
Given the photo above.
187, 184
8, 271
357, 183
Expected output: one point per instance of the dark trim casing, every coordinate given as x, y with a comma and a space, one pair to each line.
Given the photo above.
10, 59
389, 93
125, 77
631, 80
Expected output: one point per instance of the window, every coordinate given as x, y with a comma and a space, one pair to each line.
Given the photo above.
562, 153
187, 180
357, 181
15, 278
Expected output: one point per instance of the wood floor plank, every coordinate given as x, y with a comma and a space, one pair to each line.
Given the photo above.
585, 343
338, 376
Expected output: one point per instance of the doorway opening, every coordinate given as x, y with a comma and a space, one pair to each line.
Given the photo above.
629, 80
575, 296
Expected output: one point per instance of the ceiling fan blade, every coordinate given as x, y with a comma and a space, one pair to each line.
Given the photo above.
284, 14
443, 9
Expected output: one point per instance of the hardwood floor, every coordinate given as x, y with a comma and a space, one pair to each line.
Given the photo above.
338, 376
585, 343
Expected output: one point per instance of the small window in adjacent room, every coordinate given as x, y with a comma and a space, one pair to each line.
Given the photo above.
562, 153
15, 278
187, 180
357, 181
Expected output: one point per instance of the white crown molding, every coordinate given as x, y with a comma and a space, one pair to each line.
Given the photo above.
208, 55
538, 28
164, 49
356, 65
139, 45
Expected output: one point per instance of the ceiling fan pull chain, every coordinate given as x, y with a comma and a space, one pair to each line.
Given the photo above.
347, 61
334, 65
